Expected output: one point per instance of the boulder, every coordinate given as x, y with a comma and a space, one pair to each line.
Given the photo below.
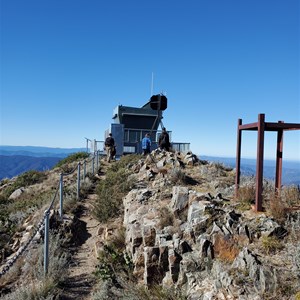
180, 198
16, 194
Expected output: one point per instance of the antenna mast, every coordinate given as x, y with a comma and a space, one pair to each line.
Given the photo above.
152, 85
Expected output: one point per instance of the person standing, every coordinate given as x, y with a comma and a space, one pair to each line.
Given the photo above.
164, 140
146, 144
109, 146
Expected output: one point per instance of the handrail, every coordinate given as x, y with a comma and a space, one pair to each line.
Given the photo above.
44, 222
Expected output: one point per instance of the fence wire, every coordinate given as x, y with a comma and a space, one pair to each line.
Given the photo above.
39, 227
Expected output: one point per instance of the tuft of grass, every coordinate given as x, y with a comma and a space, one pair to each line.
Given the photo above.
278, 208
133, 291
246, 196
271, 244
155, 292
291, 195
226, 248
220, 169
34, 284
177, 176
167, 218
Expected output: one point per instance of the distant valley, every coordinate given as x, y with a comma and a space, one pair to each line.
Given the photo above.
290, 169
15, 160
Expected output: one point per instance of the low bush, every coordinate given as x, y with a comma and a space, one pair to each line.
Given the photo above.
114, 263
246, 196
24, 180
113, 188
72, 158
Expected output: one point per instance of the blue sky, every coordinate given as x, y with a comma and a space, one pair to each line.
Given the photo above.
66, 64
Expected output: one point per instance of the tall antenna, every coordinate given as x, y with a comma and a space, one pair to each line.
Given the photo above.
152, 84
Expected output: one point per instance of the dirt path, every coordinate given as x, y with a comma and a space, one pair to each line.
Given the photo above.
80, 281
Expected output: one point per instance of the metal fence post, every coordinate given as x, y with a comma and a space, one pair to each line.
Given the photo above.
84, 170
46, 243
61, 187
93, 165
97, 160
78, 181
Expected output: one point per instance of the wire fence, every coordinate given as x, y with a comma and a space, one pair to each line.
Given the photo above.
89, 165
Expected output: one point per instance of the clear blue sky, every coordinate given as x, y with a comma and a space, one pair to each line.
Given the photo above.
66, 64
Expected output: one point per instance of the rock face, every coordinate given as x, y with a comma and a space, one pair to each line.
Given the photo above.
179, 236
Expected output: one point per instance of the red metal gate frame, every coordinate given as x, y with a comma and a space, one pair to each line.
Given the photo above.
261, 126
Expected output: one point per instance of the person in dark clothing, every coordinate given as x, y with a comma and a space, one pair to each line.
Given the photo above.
109, 146
164, 140
146, 144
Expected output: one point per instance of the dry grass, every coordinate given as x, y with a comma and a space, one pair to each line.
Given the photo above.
226, 248
291, 195
167, 218
271, 244
177, 176
277, 208
281, 202
31, 273
246, 196
134, 291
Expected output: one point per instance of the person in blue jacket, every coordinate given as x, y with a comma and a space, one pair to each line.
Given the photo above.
146, 144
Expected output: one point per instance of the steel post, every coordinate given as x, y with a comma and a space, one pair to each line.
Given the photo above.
46, 243
93, 164
78, 181
279, 152
259, 162
61, 197
84, 170
238, 158
97, 160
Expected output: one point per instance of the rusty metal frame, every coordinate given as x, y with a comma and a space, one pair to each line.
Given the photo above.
261, 126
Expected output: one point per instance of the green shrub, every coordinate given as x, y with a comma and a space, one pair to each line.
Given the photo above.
110, 192
26, 179
126, 162
113, 188
71, 158
114, 262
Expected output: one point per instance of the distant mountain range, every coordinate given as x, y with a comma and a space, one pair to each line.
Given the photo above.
15, 160
38, 151
290, 169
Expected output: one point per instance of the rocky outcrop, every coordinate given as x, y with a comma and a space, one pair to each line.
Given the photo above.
177, 235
